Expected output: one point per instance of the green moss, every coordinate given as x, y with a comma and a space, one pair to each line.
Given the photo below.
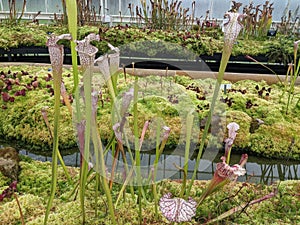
33, 191
279, 140
281, 209
32, 206
168, 98
159, 104
278, 136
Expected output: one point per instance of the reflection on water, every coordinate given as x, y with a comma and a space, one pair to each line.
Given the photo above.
259, 170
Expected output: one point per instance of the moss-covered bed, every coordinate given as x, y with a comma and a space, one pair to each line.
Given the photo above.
26, 90
34, 186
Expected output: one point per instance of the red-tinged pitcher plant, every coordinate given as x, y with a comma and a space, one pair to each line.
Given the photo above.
224, 173
120, 135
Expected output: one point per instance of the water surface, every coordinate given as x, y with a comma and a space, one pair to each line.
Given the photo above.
259, 170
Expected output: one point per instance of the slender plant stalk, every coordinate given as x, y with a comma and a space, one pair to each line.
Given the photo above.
22, 12
20, 209
240, 208
157, 156
129, 175
290, 93
107, 70
155, 196
160, 150
56, 58
189, 127
126, 166
285, 85
56, 85
44, 113
228, 156
157, 149
98, 145
212, 187
138, 145
222, 68
71, 7
180, 169
87, 54
110, 84
263, 65
137, 148
87, 82
97, 183
115, 152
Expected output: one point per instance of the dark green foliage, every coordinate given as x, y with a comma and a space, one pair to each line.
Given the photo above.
280, 51
206, 42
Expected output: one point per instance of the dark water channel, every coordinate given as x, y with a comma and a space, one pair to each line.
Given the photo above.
259, 170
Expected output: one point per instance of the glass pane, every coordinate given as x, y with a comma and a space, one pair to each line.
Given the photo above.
53, 6
4, 3
35, 6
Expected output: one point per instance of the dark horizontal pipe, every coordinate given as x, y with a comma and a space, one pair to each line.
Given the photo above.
237, 64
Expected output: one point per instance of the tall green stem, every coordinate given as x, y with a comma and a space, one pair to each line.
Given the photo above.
57, 80
102, 168
87, 82
157, 155
107, 69
189, 127
56, 58
224, 61
137, 148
